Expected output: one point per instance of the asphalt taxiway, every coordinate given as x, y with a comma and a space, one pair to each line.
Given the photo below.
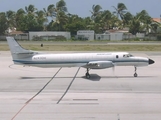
29, 93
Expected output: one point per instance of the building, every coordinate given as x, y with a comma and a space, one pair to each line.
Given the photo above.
85, 35
157, 20
49, 35
102, 36
116, 36
111, 35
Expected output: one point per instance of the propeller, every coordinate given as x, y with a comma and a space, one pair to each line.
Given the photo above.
113, 69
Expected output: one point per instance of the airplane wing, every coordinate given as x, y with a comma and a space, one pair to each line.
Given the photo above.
99, 64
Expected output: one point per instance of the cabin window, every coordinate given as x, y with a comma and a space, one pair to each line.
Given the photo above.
127, 55
117, 56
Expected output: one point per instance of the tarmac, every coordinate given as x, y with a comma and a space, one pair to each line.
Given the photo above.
30, 93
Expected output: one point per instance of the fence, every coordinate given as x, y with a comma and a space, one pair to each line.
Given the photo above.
17, 37
98, 37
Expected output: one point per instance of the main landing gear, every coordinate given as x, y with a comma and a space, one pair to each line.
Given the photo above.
87, 74
135, 74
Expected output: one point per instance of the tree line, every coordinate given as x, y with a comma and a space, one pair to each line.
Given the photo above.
57, 18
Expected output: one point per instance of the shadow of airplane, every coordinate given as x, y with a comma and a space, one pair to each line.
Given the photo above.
25, 78
94, 77
127, 77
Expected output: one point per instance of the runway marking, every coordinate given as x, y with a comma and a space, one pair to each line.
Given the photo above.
35, 95
118, 115
21, 67
10, 66
82, 103
44, 86
68, 86
85, 99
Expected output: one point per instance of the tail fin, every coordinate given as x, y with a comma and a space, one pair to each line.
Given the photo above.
17, 51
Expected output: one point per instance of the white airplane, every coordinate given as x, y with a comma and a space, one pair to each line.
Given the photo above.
87, 60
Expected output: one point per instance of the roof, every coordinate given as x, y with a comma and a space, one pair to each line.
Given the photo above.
157, 19
16, 32
118, 31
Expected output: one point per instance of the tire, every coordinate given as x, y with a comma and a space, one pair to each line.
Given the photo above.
135, 75
88, 76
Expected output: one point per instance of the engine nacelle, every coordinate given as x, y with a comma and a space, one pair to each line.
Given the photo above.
100, 64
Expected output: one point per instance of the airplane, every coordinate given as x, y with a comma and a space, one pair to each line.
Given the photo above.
89, 61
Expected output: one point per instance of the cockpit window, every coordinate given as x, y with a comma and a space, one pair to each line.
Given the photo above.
130, 55
127, 55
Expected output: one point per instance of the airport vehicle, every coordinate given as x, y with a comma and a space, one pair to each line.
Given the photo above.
89, 61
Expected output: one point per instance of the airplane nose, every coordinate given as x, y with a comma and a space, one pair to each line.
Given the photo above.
151, 61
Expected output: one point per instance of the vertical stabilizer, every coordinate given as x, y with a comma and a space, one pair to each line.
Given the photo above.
17, 51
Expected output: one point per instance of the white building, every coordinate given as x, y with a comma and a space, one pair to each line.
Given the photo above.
86, 34
110, 36
102, 37
116, 36
49, 35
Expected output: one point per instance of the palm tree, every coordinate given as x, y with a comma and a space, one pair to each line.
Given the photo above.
10, 16
120, 10
75, 23
41, 19
3, 23
19, 18
127, 18
49, 14
106, 18
60, 16
95, 11
61, 6
145, 21
72, 18
135, 25
30, 9
143, 15
40, 16
142, 22
61, 20
116, 23
50, 11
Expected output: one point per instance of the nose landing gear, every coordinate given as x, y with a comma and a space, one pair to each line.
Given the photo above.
135, 74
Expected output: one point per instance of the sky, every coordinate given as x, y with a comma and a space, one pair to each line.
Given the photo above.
83, 7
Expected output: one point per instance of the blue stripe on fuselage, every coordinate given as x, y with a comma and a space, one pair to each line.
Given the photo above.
68, 62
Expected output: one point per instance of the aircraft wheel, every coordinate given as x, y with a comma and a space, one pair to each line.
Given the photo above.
88, 76
135, 75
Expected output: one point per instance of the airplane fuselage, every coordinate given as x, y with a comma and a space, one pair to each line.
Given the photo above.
81, 59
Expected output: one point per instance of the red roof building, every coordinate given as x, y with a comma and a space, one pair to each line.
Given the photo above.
157, 20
